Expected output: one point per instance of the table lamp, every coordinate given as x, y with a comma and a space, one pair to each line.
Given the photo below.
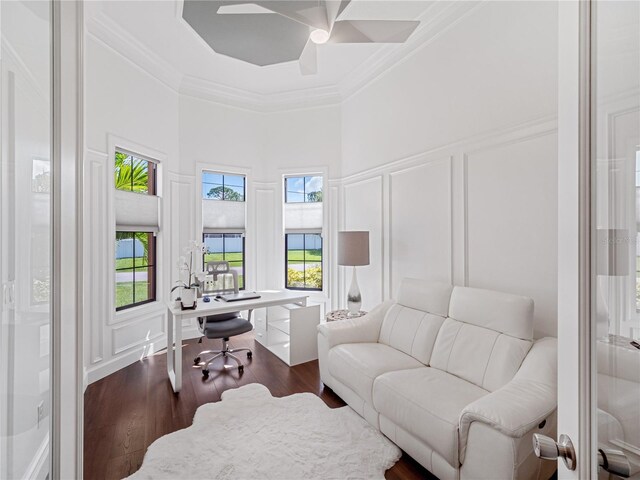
353, 251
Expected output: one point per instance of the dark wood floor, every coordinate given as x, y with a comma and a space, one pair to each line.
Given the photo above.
126, 411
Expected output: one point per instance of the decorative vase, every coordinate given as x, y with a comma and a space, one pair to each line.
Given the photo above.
354, 299
188, 297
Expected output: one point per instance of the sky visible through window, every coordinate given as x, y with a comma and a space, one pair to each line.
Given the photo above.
218, 186
303, 189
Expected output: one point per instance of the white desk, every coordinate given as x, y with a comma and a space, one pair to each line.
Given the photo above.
175, 316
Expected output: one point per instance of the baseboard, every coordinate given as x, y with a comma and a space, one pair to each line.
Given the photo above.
85, 380
106, 368
38, 468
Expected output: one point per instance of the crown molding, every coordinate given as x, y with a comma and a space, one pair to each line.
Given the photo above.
109, 32
275, 102
436, 20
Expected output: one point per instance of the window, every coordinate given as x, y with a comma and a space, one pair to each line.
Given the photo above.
303, 215
134, 174
219, 186
303, 189
137, 219
223, 222
304, 261
135, 269
227, 247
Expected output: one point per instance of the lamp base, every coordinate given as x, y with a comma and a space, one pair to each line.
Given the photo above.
354, 299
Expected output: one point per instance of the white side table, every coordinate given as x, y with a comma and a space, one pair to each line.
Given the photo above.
342, 315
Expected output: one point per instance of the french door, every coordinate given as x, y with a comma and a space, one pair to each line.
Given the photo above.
599, 245
25, 238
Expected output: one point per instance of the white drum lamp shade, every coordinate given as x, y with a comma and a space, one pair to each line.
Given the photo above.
353, 248
353, 251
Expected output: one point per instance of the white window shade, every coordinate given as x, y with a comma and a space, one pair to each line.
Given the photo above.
221, 216
303, 217
137, 212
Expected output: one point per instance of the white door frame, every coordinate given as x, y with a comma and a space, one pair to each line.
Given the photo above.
67, 270
575, 343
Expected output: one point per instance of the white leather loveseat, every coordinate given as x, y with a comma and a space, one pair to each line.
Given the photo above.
452, 376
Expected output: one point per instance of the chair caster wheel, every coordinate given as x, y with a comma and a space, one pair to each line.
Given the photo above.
205, 373
249, 354
196, 360
241, 369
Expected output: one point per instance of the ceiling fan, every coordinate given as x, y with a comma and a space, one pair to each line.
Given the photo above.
322, 18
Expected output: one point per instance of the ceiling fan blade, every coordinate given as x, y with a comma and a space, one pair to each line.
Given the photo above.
309, 59
372, 31
242, 9
313, 14
334, 9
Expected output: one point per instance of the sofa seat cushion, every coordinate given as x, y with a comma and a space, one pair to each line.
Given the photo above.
427, 403
357, 365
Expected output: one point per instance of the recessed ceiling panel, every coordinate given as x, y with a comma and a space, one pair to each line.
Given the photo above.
264, 39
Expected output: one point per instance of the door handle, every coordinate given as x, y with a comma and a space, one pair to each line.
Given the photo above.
547, 448
614, 461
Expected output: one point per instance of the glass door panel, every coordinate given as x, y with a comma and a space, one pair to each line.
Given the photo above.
616, 220
25, 238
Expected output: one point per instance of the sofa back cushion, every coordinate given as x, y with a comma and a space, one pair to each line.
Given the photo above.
432, 297
485, 338
502, 312
411, 325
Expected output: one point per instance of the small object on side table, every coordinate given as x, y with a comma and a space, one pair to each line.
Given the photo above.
342, 315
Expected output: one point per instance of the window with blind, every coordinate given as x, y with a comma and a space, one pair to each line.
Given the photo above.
137, 224
303, 219
224, 220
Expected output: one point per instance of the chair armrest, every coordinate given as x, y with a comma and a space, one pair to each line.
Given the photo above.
524, 402
356, 330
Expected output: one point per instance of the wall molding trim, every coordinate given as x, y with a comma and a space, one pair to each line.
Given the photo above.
379, 182
504, 136
13, 58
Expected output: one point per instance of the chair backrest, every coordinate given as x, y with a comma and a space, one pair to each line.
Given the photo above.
217, 275
485, 338
412, 323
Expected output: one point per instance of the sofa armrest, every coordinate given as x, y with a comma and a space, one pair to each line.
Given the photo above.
528, 399
356, 330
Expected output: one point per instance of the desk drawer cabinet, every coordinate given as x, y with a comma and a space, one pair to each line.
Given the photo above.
289, 332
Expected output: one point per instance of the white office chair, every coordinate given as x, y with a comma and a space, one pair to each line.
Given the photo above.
224, 325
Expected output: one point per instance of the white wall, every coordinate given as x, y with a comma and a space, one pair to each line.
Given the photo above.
449, 159
125, 107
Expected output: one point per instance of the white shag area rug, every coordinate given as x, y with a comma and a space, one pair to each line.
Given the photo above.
252, 435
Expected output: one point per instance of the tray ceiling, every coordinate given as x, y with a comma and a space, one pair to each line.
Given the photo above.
160, 29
